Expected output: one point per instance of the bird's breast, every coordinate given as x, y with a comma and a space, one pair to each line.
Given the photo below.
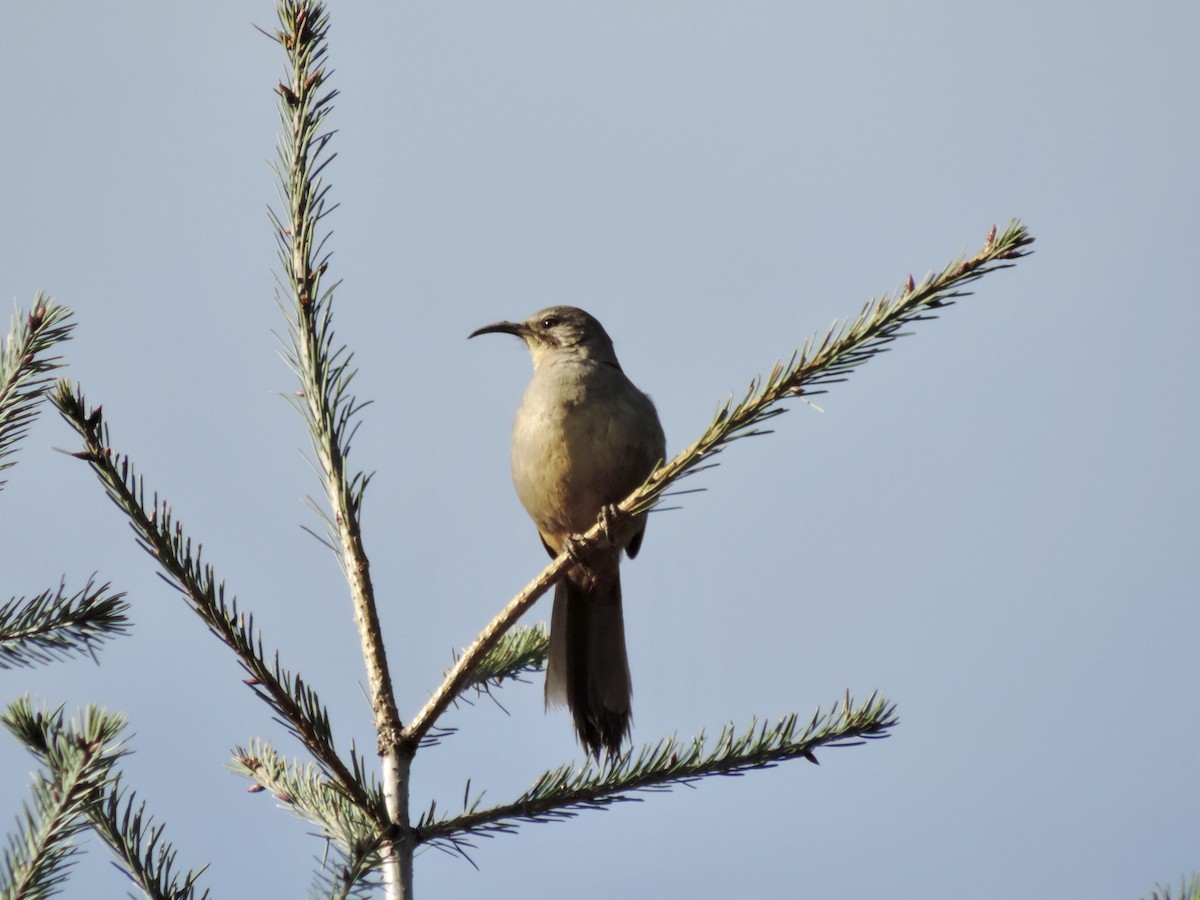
584, 437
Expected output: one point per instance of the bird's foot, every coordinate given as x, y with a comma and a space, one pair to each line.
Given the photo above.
610, 517
573, 548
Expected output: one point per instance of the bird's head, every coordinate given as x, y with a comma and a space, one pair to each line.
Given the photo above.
558, 329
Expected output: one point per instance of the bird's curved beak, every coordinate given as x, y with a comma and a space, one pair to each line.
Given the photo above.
520, 329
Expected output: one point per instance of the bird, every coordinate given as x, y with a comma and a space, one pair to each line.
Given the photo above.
584, 437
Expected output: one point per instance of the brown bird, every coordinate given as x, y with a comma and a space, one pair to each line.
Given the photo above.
584, 437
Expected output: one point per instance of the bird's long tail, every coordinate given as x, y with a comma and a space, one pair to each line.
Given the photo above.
587, 667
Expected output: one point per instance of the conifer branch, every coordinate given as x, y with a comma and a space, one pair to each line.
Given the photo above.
820, 362
39, 855
54, 626
302, 788
340, 878
1189, 889
137, 841
80, 757
830, 359
519, 652
460, 676
159, 534
25, 368
305, 790
564, 792
323, 366
324, 369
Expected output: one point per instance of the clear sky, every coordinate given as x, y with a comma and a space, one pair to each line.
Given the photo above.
995, 524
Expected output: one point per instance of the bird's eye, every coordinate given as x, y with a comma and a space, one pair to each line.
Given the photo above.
550, 321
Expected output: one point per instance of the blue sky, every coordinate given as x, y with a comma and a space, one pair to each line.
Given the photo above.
995, 524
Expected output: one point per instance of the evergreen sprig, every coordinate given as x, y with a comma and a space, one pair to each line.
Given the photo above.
832, 358
25, 368
80, 757
325, 370
53, 625
297, 705
1189, 889
339, 878
565, 791
304, 789
323, 366
85, 754
354, 835
520, 652
138, 843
